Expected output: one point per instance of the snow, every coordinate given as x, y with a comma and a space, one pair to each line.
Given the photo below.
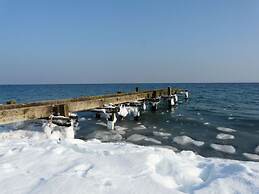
225, 136
224, 148
54, 132
225, 129
32, 163
184, 140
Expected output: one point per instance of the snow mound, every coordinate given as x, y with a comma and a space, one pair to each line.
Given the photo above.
225, 129
225, 136
56, 132
184, 140
251, 156
74, 166
224, 148
138, 138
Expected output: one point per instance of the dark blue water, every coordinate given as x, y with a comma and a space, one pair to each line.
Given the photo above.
210, 106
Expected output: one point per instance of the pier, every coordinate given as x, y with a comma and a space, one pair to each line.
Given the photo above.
10, 113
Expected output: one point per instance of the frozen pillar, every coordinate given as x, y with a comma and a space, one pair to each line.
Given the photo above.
111, 121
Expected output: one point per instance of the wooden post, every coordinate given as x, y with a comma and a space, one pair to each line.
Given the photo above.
98, 115
154, 94
61, 110
169, 91
137, 89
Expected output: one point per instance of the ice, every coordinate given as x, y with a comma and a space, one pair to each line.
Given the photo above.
225, 136
225, 129
120, 130
184, 140
106, 135
140, 127
161, 134
123, 111
72, 166
251, 156
138, 137
257, 149
82, 119
101, 124
224, 148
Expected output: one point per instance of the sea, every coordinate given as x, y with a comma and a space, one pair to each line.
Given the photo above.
218, 120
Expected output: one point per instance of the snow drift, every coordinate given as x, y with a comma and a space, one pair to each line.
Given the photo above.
41, 165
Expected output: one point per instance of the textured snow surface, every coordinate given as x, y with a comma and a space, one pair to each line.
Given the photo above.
31, 163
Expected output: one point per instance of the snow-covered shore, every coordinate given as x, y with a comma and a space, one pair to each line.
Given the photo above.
31, 163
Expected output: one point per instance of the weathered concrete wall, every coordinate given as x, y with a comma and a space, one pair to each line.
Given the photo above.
30, 111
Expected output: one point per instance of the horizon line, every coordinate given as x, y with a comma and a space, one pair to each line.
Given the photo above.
12, 84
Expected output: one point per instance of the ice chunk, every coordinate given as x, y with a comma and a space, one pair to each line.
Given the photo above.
106, 136
184, 140
225, 136
138, 137
225, 129
82, 119
161, 134
123, 111
224, 148
251, 156
140, 127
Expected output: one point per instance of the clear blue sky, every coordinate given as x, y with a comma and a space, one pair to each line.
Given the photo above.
105, 41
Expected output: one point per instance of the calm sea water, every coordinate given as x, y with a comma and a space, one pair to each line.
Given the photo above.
210, 106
